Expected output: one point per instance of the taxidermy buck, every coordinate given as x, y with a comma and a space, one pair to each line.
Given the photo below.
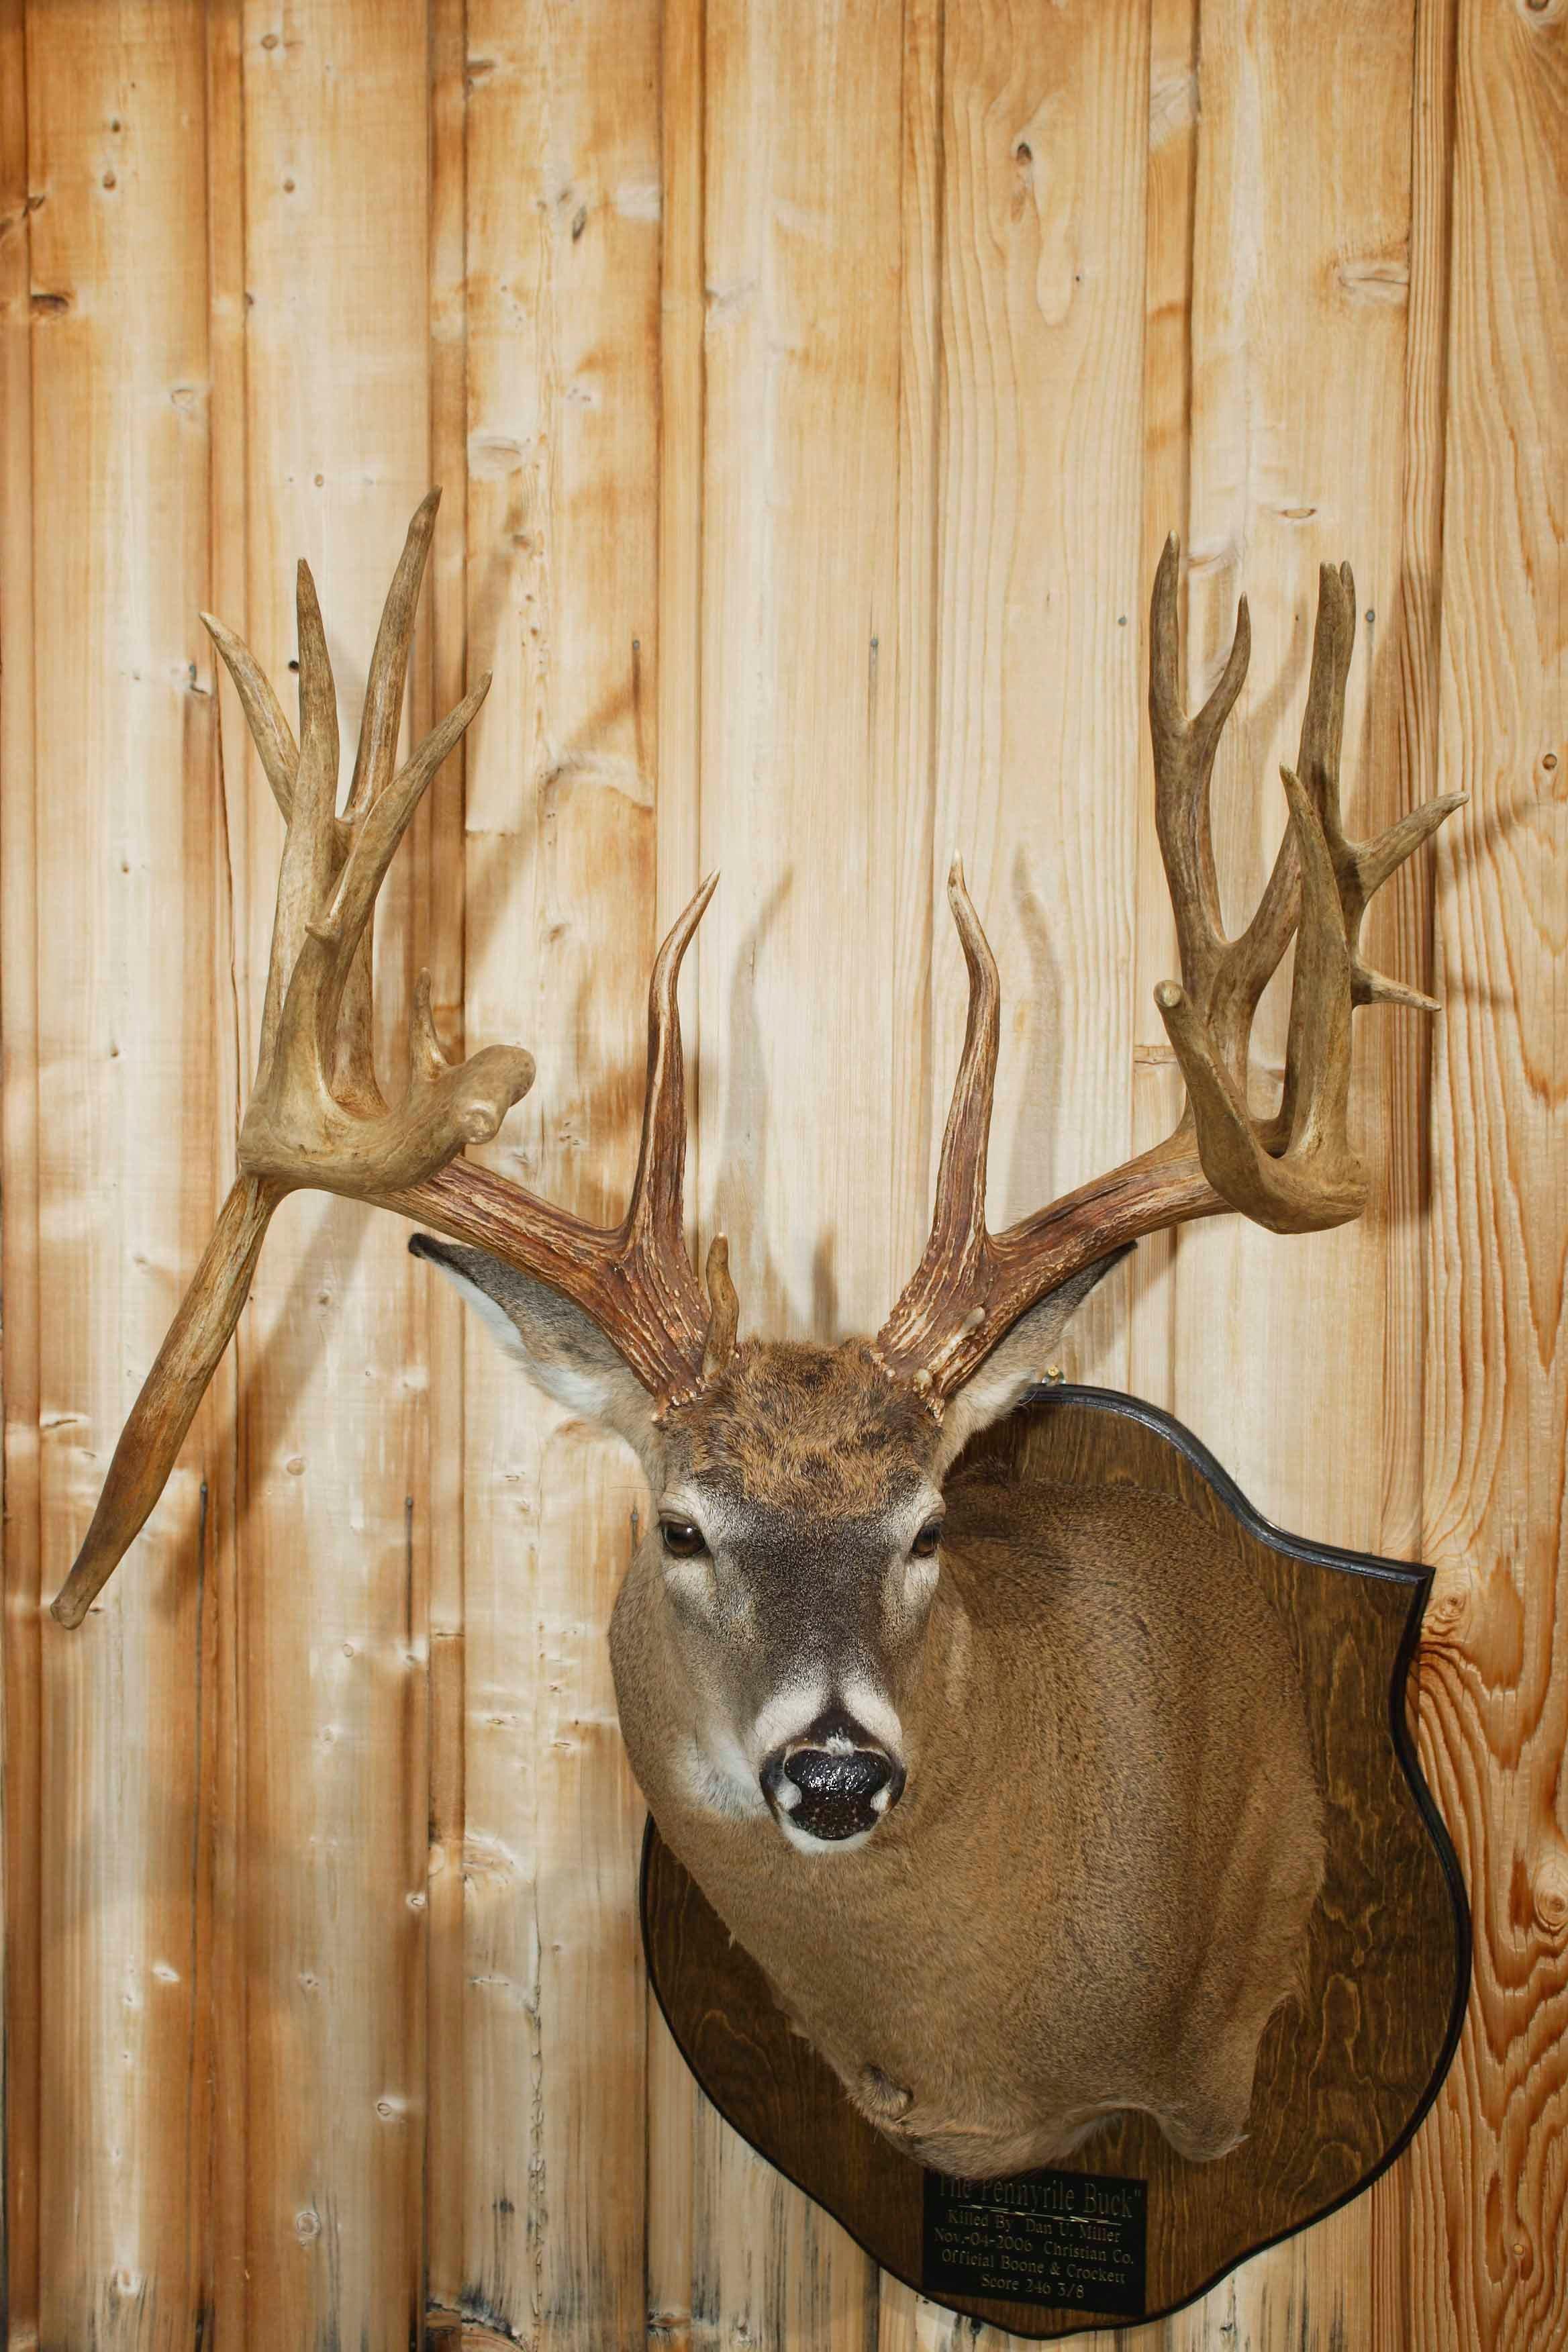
1009, 1791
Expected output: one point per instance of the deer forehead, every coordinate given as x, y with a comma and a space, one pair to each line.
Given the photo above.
818, 1432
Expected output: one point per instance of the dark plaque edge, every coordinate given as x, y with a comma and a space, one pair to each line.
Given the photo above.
1417, 1579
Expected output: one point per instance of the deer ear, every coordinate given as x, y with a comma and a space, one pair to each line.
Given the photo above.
1017, 1363
558, 1346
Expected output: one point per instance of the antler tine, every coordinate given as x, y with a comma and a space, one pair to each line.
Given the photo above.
1324, 720
309, 845
1371, 863
389, 663
1298, 1171
656, 1211
723, 1310
1228, 977
1313, 1178
958, 1227
167, 1406
1295, 1171
1184, 752
1247, 965
1318, 1051
378, 832
1360, 869
634, 1279
269, 730
352, 1079
640, 1287
940, 1305
316, 1116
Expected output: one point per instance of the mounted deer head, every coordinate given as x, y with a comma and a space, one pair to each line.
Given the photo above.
796, 1544
805, 1669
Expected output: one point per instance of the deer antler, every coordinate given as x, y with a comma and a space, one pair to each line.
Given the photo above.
317, 1117
1294, 1172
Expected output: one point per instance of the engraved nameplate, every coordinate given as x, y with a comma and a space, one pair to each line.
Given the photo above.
1074, 2240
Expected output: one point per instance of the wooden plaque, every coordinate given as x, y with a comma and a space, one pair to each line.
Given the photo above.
1343, 2077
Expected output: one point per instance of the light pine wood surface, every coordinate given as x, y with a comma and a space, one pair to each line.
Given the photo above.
812, 388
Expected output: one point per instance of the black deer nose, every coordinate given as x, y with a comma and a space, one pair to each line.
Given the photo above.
834, 1782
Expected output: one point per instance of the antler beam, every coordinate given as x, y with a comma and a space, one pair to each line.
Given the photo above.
1294, 1172
317, 1117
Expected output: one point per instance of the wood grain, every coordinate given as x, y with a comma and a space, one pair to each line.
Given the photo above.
819, 370
564, 255
922, 923
1399, 2291
1035, 160
672, 2099
1342, 2074
221, 1824
1490, 2213
1170, 206
438, 1825
334, 1500
800, 657
20, 1782
125, 1078
1039, 581
1293, 256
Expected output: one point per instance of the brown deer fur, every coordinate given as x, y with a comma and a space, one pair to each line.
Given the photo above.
1092, 1892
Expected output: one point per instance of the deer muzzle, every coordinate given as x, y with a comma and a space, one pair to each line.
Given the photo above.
832, 1783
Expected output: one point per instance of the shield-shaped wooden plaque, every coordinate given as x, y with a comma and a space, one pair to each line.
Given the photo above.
1343, 2077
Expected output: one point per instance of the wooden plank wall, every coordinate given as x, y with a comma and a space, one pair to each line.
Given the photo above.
812, 387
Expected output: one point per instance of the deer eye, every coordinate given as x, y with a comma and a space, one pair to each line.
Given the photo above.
926, 1542
681, 1538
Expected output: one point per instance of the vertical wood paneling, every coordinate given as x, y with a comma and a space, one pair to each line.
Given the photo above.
1171, 203
218, 2124
800, 656
563, 251
1037, 501
441, 1819
800, 546
1492, 2216
812, 388
672, 2098
1299, 288
1041, 529
336, 209
909, 750
1400, 2289
19, 1267
125, 1066
1288, 473
922, 921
